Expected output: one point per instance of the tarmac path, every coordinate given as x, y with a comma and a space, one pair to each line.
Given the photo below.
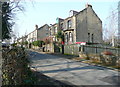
73, 72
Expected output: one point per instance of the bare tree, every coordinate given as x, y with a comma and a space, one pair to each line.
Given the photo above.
111, 27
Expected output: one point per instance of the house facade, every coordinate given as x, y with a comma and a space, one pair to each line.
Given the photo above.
32, 36
43, 32
22, 41
52, 37
38, 34
55, 28
84, 26
68, 26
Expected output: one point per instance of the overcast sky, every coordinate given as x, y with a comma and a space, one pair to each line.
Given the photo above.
42, 12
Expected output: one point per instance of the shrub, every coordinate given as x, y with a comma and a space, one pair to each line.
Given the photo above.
15, 70
94, 57
38, 43
108, 58
14, 44
107, 53
83, 56
25, 43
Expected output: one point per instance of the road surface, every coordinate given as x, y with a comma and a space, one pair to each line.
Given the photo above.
71, 71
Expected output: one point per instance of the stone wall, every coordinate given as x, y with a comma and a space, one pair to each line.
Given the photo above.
75, 49
97, 54
99, 49
71, 49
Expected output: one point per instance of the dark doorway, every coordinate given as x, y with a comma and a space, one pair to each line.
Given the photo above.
62, 49
30, 45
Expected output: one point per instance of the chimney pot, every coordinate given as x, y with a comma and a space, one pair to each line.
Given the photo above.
87, 5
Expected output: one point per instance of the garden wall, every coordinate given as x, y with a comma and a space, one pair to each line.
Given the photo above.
74, 49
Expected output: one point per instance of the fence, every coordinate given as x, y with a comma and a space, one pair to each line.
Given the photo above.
75, 49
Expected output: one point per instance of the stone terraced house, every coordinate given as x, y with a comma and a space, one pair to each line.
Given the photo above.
80, 27
84, 26
38, 34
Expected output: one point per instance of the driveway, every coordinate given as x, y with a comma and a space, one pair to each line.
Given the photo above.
71, 71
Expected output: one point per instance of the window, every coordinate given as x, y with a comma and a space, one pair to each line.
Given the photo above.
62, 27
70, 36
55, 30
47, 29
46, 34
50, 32
92, 38
69, 24
66, 38
88, 37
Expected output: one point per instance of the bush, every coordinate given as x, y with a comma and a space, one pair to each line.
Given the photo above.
38, 43
15, 70
108, 58
94, 57
25, 43
83, 56
14, 44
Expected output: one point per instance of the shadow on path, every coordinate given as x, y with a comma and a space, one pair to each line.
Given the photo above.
71, 69
55, 64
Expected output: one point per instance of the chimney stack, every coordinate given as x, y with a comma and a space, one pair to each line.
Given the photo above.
36, 26
87, 5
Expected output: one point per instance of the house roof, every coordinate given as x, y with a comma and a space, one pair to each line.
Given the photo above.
86, 9
97, 15
43, 26
54, 24
38, 28
75, 14
82, 11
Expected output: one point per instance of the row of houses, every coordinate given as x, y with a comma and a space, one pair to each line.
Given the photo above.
80, 27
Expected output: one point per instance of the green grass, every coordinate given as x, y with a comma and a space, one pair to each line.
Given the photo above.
70, 54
